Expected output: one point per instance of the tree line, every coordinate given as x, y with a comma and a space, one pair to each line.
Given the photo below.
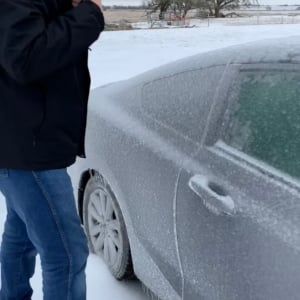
181, 7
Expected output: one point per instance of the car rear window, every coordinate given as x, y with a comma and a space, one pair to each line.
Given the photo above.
181, 102
263, 120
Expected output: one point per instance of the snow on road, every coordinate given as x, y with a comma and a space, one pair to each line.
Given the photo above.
100, 284
120, 55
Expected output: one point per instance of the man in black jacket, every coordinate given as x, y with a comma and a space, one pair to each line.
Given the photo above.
44, 87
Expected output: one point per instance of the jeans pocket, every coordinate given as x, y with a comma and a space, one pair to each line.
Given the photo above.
3, 173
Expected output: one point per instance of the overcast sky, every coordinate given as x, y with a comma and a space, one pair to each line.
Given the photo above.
138, 2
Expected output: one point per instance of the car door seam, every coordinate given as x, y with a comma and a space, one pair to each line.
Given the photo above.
176, 233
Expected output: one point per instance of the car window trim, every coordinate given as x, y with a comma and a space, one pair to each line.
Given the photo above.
219, 106
232, 73
254, 165
217, 145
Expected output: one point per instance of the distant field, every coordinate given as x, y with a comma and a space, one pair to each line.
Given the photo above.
124, 18
121, 15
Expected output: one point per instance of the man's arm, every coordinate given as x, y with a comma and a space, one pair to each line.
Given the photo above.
75, 3
30, 49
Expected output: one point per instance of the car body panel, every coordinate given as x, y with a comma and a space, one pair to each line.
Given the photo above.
148, 145
243, 255
119, 151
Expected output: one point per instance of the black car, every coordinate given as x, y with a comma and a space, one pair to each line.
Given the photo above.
191, 180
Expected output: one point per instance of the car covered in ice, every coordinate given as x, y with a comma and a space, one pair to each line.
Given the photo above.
191, 181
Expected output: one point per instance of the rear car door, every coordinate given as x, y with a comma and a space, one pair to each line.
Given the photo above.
238, 200
172, 134
168, 111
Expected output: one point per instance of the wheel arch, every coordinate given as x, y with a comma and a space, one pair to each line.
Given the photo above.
84, 178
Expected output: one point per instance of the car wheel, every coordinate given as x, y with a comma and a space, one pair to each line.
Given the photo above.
105, 227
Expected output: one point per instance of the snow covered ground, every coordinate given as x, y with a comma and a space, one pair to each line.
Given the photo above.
120, 55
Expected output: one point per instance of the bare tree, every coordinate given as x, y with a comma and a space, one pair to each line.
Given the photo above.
159, 5
178, 7
215, 7
181, 7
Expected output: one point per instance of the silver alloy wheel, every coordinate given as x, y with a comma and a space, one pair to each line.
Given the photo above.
104, 227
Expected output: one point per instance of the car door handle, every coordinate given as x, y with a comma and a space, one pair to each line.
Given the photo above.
215, 198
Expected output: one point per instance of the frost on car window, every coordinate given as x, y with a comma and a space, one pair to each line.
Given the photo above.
264, 118
181, 102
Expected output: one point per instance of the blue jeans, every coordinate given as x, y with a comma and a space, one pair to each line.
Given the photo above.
41, 218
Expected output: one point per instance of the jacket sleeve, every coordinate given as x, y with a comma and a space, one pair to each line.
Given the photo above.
30, 49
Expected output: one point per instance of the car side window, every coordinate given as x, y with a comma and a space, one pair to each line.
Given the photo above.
181, 102
263, 119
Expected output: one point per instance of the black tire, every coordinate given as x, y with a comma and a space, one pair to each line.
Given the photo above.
103, 221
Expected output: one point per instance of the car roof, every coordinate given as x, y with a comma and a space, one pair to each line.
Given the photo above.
279, 50
285, 50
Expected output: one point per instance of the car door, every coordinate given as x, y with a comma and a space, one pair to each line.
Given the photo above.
172, 134
238, 199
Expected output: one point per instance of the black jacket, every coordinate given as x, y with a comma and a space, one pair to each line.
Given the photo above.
44, 81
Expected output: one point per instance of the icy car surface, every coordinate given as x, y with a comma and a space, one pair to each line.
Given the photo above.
192, 175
